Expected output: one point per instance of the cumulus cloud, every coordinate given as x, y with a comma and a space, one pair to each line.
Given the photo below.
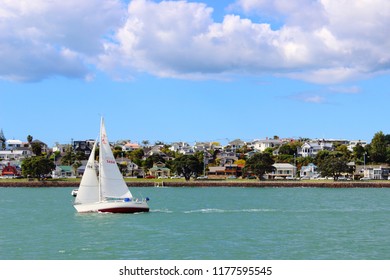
324, 41
319, 41
40, 38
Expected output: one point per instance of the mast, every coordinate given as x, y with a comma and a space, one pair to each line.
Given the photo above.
100, 160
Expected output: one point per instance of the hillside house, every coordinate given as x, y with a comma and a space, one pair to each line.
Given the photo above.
235, 145
177, 146
128, 147
61, 148
84, 147
262, 145
311, 149
13, 144
15, 154
353, 143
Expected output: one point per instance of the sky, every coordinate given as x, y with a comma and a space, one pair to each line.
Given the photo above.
211, 70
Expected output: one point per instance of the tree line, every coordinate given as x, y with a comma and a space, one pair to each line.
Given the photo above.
330, 163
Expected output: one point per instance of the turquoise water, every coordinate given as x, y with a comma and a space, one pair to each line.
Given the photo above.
200, 224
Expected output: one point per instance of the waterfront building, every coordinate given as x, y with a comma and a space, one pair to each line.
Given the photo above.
309, 172
282, 171
375, 172
159, 170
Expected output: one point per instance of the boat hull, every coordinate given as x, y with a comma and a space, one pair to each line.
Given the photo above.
113, 207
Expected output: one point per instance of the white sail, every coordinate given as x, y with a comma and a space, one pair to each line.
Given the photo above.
88, 191
108, 192
112, 184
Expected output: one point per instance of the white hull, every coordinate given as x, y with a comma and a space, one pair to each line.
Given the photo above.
114, 206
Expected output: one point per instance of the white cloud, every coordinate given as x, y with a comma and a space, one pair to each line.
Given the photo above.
345, 89
309, 97
296, 12
183, 41
40, 38
324, 95
324, 41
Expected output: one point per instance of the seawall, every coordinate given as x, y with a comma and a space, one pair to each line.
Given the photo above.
210, 183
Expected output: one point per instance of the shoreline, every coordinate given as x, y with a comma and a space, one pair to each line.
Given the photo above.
210, 183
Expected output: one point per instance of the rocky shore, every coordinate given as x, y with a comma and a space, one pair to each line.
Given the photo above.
210, 183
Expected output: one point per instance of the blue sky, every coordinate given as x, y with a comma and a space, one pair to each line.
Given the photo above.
194, 70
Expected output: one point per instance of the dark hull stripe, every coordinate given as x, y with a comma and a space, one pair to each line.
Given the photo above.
124, 210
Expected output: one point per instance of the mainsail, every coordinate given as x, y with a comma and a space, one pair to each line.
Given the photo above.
112, 184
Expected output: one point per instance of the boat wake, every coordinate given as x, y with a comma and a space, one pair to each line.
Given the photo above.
211, 211
216, 210
161, 211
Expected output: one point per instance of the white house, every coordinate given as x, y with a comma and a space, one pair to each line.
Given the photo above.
234, 145
311, 149
181, 147
376, 172
262, 145
14, 154
13, 144
282, 171
202, 146
62, 148
353, 143
309, 171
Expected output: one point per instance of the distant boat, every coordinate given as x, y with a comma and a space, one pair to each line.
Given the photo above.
106, 192
74, 192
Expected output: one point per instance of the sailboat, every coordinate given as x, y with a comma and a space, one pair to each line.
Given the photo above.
106, 191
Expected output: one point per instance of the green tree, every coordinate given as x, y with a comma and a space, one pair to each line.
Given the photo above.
259, 164
2, 140
358, 152
145, 143
188, 165
150, 161
37, 167
136, 156
36, 148
117, 152
69, 157
123, 168
287, 149
344, 150
334, 166
29, 139
378, 147
321, 156
75, 166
